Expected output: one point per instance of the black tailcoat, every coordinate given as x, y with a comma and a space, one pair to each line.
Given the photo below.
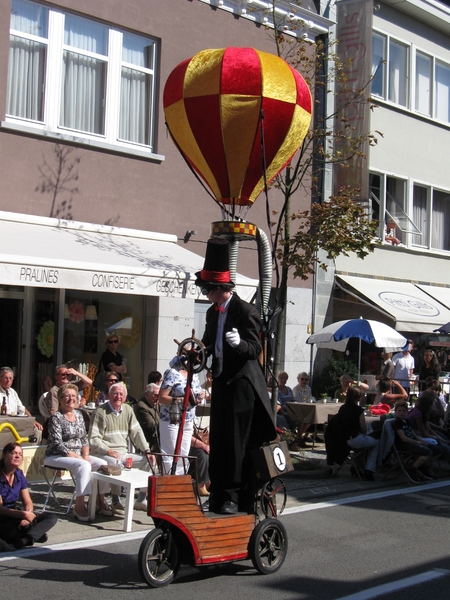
241, 412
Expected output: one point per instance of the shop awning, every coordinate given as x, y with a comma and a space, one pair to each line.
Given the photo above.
441, 294
412, 309
52, 253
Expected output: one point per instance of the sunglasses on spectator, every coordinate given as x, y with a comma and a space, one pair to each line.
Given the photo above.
66, 374
113, 342
112, 380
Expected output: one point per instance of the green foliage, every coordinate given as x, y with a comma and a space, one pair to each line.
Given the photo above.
328, 381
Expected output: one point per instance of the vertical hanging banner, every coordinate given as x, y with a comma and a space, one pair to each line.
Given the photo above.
352, 120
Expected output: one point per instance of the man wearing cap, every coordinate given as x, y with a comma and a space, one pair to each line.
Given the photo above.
241, 413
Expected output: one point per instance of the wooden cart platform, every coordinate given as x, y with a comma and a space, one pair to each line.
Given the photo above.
214, 539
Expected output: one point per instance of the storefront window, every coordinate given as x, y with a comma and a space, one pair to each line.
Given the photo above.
88, 318
43, 342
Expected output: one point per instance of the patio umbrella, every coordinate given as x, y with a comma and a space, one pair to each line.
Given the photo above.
443, 329
337, 335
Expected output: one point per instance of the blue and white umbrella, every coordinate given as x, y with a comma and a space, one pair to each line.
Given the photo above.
337, 335
445, 329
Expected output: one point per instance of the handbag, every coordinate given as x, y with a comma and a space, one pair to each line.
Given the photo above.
202, 434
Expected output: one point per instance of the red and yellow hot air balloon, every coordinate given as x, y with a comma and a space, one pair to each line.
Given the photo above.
235, 113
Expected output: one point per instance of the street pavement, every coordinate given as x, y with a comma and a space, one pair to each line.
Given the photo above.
303, 488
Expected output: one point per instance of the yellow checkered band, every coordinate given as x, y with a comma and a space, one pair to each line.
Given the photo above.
236, 229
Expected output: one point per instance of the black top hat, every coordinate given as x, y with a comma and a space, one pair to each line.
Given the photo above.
216, 268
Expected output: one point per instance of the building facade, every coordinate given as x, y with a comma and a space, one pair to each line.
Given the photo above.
88, 170
404, 282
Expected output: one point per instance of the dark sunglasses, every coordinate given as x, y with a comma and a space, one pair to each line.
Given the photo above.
113, 342
112, 380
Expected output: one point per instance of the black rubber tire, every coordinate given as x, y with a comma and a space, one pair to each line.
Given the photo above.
272, 499
155, 566
268, 546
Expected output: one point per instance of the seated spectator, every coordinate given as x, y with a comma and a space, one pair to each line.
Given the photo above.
65, 375
154, 377
68, 449
200, 451
302, 391
419, 418
207, 385
386, 394
353, 424
406, 440
346, 381
147, 414
112, 425
13, 403
110, 379
437, 412
284, 391
19, 527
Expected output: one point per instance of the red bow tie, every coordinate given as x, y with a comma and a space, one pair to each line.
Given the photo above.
220, 308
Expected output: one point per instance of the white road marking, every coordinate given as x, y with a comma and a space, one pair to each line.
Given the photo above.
394, 586
81, 544
364, 498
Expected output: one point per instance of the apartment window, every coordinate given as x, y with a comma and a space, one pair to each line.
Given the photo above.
420, 211
442, 94
398, 73
389, 206
378, 65
391, 74
423, 83
440, 231
27, 60
83, 88
68, 72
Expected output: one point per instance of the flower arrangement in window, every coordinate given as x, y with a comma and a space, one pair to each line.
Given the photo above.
45, 338
76, 312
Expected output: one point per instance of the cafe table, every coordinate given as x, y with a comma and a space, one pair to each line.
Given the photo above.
130, 480
23, 425
311, 413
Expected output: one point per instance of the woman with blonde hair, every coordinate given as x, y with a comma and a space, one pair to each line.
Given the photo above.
68, 449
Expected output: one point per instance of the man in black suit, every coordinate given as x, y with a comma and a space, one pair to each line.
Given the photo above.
241, 413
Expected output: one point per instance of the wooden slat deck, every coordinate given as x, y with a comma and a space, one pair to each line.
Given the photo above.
213, 539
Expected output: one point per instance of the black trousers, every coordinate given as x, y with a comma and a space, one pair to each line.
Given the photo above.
10, 529
231, 419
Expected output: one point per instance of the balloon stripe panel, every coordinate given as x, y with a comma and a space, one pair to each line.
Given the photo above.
173, 90
278, 80
203, 74
185, 140
240, 115
303, 94
241, 72
274, 111
298, 130
203, 115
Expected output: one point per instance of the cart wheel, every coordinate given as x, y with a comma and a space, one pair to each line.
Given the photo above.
272, 499
158, 558
268, 546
